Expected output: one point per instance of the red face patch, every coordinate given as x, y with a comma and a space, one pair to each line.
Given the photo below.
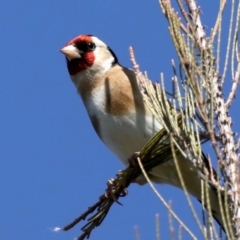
87, 57
79, 39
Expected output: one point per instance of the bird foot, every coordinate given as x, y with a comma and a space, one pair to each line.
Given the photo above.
111, 191
133, 160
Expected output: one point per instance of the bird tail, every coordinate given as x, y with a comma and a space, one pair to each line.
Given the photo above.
195, 181
219, 206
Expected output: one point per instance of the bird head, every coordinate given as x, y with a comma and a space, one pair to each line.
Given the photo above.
88, 57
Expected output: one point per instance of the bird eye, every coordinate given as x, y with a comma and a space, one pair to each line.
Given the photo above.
91, 46
85, 46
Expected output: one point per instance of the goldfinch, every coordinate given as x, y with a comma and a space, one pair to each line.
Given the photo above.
114, 103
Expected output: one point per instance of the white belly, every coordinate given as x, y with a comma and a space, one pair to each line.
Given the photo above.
123, 135
127, 134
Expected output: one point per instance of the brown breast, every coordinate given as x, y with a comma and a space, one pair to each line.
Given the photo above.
121, 89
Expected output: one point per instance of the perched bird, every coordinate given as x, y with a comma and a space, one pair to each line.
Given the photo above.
114, 103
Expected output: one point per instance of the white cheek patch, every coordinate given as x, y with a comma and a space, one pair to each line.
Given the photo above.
103, 58
102, 63
98, 42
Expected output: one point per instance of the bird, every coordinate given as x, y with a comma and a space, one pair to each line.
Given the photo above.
114, 102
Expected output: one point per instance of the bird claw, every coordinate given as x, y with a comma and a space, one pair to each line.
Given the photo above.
133, 160
111, 191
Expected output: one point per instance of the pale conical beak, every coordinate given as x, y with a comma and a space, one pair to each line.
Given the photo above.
70, 52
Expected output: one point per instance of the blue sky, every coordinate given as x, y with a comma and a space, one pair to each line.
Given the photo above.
52, 164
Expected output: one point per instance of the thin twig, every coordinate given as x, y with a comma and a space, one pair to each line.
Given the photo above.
164, 202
